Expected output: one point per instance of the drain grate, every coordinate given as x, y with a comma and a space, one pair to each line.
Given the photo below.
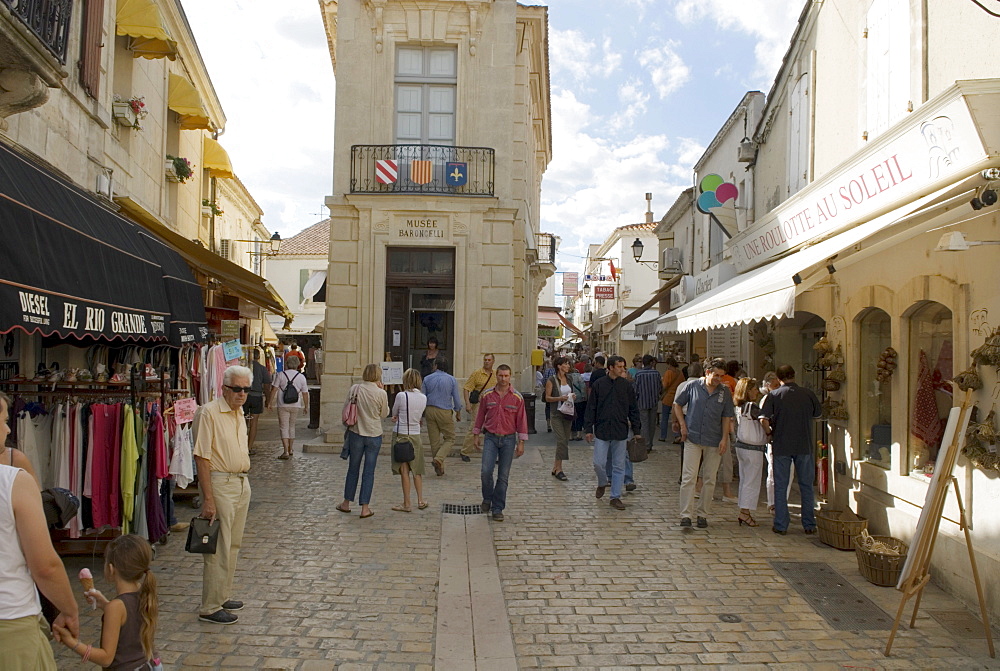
457, 509
959, 623
833, 597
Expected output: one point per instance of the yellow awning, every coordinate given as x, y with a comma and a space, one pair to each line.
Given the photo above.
184, 99
216, 160
237, 279
142, 21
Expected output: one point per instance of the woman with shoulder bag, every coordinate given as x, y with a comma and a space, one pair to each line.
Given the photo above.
407, 411
751, 441
559, 394
364, 438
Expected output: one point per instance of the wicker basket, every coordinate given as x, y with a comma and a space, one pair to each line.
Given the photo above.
836, 532
880, 569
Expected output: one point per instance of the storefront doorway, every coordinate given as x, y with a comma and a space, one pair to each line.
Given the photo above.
419, 302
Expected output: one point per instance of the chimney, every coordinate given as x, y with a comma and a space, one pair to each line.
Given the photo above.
649, 208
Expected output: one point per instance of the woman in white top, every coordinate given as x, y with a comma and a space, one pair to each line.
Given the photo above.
407, 412
28, 559
288, 413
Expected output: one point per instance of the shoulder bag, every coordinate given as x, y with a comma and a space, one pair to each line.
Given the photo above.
474, 394
636, 451
402, 450
203, 536
350, 413
749, 430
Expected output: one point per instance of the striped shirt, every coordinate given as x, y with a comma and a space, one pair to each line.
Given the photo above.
647, 388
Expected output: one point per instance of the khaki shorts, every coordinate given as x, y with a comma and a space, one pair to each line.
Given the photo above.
25, 644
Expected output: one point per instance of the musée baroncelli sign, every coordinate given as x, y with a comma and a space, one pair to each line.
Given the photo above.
939, 143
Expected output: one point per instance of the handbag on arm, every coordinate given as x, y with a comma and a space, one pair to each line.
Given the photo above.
350, 413
402, 450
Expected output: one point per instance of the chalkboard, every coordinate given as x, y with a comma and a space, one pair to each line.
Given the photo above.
918, 558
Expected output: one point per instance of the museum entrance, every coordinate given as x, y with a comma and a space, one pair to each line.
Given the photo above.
419, 302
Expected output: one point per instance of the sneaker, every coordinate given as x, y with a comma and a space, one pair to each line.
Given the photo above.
599, 493
485, 506
617, 504
180, 526
630, 487
498, 517
465, 458
219, 617
730, 499
686, 522
232, 604
702, 523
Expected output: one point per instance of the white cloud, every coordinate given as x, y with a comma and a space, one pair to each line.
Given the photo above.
571, 52
689, 151
666, 68
633, 101
275, 81
770, 22
595, 184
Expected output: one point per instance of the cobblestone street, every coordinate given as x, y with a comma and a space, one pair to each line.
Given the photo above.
585, 586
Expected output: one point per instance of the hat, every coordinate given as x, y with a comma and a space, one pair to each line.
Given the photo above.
60, 506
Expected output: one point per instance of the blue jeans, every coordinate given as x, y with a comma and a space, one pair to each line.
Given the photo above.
665, 421
497, 448
610, 451
367, 447
609, 467
805, 471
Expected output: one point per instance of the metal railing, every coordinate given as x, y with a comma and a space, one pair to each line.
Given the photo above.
48, 20
422, 168
546, 244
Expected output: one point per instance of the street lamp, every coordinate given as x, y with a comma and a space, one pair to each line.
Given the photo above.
637, 254
586, 290
275, 243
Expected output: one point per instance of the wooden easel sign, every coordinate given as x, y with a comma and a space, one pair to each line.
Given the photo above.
916, 570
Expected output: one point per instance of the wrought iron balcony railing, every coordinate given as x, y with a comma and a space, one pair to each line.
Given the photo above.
546, 243
422, 168
48, 20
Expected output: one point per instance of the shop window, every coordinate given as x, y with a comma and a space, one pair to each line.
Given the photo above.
875, 389
929, 369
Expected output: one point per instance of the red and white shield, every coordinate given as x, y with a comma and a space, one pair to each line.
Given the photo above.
386, 171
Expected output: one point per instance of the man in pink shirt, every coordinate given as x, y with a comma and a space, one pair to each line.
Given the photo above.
501, 417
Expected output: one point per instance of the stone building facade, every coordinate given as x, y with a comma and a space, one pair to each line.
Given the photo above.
441, 139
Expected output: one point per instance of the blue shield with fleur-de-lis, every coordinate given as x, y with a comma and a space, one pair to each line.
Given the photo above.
456, 174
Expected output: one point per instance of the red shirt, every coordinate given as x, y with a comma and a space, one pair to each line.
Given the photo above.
502, 414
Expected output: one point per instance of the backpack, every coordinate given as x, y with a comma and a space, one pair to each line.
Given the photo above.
290, 395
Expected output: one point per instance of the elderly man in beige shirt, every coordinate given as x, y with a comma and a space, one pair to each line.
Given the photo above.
223, 459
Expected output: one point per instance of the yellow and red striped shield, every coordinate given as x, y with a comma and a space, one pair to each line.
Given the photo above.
420, 172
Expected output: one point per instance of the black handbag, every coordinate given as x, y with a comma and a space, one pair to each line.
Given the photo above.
203, 536
402, 451
637, 451
475, 393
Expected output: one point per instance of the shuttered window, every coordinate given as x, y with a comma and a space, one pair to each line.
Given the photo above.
92, 40
798, 135
888, 64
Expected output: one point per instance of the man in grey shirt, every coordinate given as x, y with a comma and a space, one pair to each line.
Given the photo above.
705, 427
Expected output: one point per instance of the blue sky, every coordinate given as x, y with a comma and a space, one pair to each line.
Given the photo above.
639, 88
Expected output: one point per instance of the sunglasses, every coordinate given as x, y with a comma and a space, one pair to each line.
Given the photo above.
237, 390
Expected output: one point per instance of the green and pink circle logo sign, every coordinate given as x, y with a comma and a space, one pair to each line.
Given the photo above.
714, 193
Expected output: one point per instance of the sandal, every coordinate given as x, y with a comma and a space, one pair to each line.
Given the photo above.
422, 505
284, 455
401, 509
348, 510
560, 476
747, 520
372, 513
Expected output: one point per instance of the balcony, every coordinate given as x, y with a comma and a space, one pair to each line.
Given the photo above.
421, 169
47, 20
546, 245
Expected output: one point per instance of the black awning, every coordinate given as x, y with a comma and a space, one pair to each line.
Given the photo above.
73, 268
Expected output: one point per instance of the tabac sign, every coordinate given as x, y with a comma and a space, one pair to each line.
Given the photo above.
605, 291
940, 144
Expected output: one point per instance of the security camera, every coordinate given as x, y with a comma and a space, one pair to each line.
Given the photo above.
976, 204
988, 197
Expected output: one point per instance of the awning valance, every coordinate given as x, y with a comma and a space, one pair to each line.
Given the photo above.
215, 159
657, 297
769, 291
184, 99
548, 318
142, 21
76, 269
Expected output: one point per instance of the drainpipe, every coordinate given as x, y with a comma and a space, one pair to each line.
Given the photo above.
211, 218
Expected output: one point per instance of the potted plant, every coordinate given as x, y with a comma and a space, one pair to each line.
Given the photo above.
210, 208
178, 169
129, 111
